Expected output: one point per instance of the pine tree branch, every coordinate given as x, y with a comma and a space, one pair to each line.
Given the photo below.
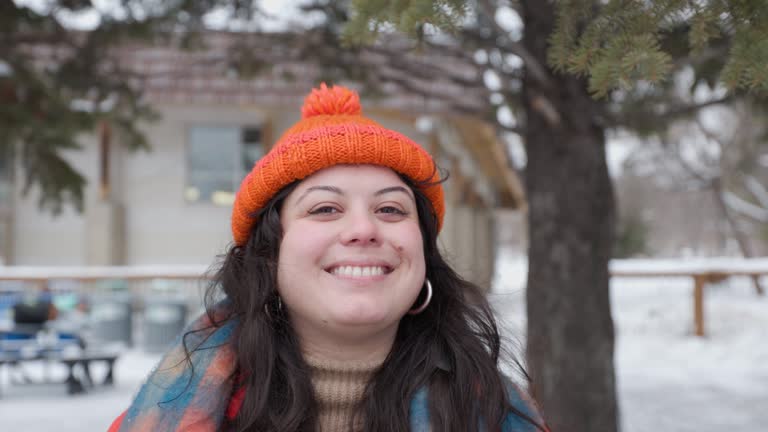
709, 53
499, 38
687, 110
432, 73
425, 68
617, 120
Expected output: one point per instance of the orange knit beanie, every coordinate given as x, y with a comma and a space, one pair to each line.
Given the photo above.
332, 131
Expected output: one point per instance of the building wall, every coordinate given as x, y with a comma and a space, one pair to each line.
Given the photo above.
39, 238
162, 227
147, 199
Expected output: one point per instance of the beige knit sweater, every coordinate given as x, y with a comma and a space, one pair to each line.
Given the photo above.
338, 388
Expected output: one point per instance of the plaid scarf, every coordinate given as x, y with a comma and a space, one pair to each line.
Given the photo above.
177, 397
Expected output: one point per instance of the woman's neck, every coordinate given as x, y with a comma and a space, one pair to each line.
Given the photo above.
370, 348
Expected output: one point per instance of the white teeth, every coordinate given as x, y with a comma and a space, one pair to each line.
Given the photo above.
357, 272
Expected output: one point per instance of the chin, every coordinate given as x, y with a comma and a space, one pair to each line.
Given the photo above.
362, 317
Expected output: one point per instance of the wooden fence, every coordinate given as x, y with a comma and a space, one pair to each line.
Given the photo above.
703, 272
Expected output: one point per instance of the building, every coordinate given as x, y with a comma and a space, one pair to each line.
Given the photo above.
171, 205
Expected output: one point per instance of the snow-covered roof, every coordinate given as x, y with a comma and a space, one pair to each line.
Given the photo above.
106, 272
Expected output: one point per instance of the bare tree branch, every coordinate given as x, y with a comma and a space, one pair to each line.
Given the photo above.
711, 136
745, 208
757, 190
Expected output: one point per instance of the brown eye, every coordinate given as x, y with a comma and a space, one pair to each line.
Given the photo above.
392, 210
324, 210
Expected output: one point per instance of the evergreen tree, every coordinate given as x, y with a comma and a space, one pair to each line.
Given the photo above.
56, 83
588, 66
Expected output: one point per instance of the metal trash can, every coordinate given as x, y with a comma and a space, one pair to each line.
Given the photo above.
163, 321
112, 320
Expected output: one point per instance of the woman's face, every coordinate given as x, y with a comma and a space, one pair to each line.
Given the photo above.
351, 258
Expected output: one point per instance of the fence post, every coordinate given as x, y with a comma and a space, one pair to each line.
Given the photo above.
699, 281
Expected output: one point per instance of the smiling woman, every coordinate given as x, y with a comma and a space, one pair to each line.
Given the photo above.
334, 310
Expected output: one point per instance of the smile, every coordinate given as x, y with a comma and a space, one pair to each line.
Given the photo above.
359, 271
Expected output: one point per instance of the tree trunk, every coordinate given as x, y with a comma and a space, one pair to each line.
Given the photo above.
571, 222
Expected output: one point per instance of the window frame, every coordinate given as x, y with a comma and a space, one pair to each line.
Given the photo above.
238, 173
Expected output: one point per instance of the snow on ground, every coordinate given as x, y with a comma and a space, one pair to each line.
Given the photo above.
672, 381
668, 379
47, 407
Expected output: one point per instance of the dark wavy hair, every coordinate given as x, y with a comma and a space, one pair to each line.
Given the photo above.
453, 347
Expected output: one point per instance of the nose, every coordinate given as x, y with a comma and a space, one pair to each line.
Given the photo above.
360, 228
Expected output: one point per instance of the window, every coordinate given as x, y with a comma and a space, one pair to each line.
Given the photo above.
218, 157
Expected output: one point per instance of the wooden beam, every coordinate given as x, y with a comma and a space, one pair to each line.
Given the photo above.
105, 139
267, 133
457, 180
699, 282
487, 149
434, 146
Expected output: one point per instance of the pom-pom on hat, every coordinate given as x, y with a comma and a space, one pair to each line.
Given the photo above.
332, 131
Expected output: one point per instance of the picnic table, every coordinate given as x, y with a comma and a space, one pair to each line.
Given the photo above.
18, 348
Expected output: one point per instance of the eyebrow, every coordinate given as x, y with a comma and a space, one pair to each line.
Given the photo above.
393, 189
333, 189
337, 191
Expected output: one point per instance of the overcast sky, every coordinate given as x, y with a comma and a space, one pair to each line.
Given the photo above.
284, 11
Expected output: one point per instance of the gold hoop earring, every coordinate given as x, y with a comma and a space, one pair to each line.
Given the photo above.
424, 305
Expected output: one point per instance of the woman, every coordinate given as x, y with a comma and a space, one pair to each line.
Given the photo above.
334, 309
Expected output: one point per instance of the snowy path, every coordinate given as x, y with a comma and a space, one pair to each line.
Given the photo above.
668, 380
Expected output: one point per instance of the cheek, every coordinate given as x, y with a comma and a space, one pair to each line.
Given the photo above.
409, 244
302, 246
